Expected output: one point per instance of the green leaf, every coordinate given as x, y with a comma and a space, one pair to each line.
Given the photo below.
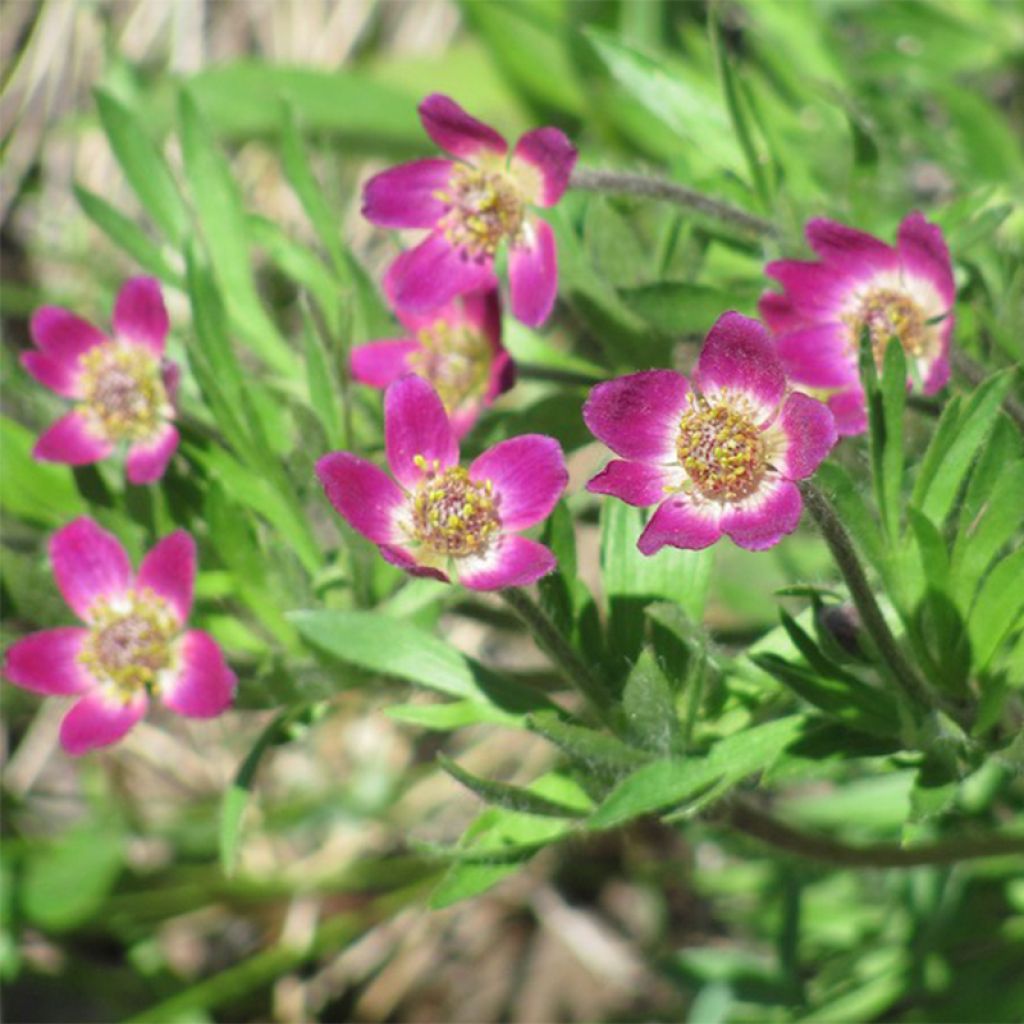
631, 580
676, 307
456, 714
68, 880
984, 534
666, 783
38, 492
236, 796
222, 219
124, 232
513, 798
321, 385
303, 181
856, 704
997, 610
144, 167
379, 643
894, 397
685, 102
244, 98
649, 706
530, 47
596, 751
963, 428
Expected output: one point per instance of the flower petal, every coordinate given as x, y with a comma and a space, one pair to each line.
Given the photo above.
678, 523
513, 562
434, 272
849, 411
851, 252
362, 494
378, 363
47, 662
88, 563
502, 376
818, 355
739, 356
481, 310
810, 431
171, 373
533, 274
543, 161
923, 253
529, 476
204, 686
148, 461
937, 375
637, 416
406, 196
406, 560
169, 570
763, 519
816, 291
140, 315
456, 131
59, 376
636, 483
71, 440
416, 427
62, 335
779, 313
99, 719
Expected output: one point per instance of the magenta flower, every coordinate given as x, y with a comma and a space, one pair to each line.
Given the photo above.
440, 519
456, 347
133, 646
471, 206
124, 388
905, 292
718, 459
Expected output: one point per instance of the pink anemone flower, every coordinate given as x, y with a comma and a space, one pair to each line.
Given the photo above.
905, 292
124, 388
472, 205
440, 519
456, 347
133, 646
718, 457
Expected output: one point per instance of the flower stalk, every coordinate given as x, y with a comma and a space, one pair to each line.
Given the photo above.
745, 817
845, 555
550, 640
588, 179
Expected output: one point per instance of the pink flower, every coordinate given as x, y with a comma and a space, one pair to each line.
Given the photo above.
905, 292
440, 519
471, 205
456, 347
133, 646
718, 459
124, 388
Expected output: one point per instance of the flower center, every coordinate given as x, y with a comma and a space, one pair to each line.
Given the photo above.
722, 451
456, 359
123, 391
129, 644
890, 313
453, 515
484, 206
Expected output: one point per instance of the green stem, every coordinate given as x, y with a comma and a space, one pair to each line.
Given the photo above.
556, 375
548, 638
746, 818
845, 556
624, 183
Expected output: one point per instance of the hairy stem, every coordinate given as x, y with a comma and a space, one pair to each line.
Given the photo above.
750, 820
562, 654
624, 183
845, 555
